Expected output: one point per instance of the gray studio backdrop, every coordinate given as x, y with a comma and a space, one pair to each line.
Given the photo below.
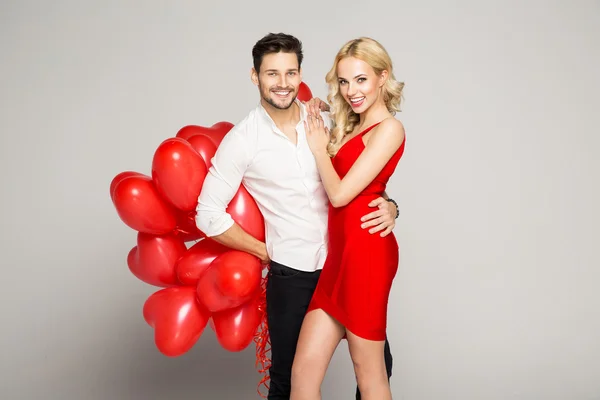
497, 295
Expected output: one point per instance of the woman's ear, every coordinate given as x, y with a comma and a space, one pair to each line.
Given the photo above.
383, 78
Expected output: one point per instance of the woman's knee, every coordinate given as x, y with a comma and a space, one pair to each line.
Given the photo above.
305, 366
362, 365
299, 370
368, 361
304, 378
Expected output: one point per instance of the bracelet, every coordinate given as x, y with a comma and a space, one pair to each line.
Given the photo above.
397, 208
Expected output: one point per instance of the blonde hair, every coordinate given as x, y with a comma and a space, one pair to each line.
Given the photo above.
344, 118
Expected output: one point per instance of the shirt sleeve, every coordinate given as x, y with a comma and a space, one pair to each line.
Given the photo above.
327, 121
222, 183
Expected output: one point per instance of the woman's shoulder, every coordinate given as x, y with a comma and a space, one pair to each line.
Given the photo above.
392, 124
389, 130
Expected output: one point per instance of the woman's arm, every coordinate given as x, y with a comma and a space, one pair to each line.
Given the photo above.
383, 143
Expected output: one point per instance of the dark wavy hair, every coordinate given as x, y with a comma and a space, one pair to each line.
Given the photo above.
275, 43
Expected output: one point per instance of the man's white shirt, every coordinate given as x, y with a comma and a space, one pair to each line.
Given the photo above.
283, 180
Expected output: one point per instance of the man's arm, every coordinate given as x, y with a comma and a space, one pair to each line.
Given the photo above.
220, 185
391, 203
383, 219
238, 239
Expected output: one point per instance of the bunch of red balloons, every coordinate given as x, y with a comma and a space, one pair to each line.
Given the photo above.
204, 283
207, 280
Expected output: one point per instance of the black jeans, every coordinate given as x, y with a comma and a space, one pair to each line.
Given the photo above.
289, 292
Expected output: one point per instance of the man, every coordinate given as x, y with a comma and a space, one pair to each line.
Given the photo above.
267, 152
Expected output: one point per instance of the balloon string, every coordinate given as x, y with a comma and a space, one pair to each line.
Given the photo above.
262, 340
190, 216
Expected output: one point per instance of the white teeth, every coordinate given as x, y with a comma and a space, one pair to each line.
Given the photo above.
358, 100
282, 93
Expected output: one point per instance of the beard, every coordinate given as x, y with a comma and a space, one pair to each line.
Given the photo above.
282, 104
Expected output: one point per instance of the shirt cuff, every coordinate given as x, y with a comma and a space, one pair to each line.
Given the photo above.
215, 225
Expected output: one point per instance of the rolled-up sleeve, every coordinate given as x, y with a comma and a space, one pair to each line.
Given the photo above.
222, 183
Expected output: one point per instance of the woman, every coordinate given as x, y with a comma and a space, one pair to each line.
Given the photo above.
355, 162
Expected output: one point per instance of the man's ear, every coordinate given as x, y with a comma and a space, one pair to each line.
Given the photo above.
254, 76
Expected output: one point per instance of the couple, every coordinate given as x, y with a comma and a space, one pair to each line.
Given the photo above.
316, 181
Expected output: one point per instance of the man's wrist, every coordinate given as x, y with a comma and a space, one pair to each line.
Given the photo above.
395, 205
262, 252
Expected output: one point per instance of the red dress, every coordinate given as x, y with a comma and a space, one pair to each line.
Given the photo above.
356, 279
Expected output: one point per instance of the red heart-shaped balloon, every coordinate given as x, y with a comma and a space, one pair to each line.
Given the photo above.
245, 212
178, 172
140, 206
154, 258
118, 178
232, 279
238, 274
235, 328
177, 318
186, 226
208, 294
304, 93
197, 259
216, 132
205, 146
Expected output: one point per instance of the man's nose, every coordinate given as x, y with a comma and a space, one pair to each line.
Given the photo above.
282, 81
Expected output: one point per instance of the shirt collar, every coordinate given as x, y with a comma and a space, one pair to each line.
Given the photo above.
265, 114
